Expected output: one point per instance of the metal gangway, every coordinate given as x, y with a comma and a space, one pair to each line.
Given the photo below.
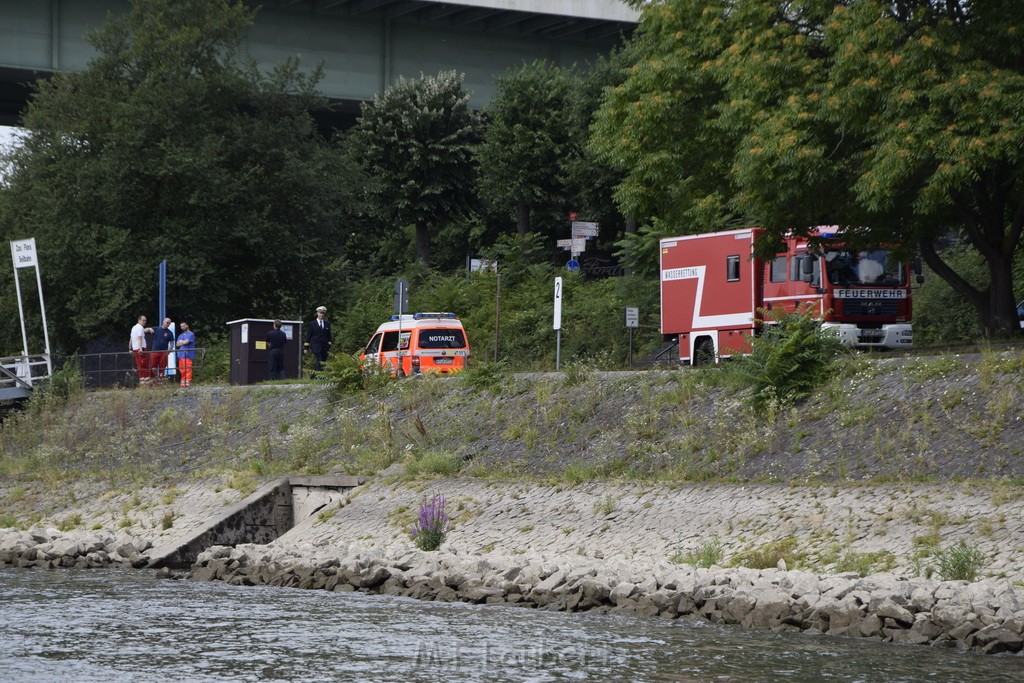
19, 374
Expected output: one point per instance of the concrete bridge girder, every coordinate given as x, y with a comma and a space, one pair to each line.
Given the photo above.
364, 44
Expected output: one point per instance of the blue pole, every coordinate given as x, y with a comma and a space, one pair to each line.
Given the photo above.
162, 304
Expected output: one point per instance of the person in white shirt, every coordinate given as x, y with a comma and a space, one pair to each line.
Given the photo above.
137, 346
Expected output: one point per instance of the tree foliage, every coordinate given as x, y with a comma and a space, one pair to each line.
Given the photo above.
900, 121
528, 136
167, 146
535, 165
417, 142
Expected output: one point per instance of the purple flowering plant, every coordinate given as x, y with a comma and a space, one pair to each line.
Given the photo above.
430, 529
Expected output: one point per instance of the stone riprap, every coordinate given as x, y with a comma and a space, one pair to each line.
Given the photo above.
637, 521
986, 616
612, 546
52, 548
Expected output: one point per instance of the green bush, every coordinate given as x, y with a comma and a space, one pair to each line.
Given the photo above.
485, 376
961, 562
65, 383
787, 360
941, 315
214, 367
343, 371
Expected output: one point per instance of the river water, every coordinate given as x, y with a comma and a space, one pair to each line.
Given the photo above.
113, 625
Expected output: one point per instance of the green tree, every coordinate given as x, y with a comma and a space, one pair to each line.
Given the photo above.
527, 138
590, 179
899, 121
417, 142
167, 146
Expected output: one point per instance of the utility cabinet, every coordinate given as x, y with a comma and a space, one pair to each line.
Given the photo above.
250, 358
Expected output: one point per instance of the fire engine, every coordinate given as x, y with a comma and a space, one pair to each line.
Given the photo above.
712, 286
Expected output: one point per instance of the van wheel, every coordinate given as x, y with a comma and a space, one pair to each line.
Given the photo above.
704, 352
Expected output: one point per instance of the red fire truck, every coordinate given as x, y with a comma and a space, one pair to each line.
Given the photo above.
712, 286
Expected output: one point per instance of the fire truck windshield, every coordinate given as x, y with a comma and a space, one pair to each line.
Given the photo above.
873, 268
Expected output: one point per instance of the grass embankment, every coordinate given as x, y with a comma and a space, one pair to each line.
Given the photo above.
874, 420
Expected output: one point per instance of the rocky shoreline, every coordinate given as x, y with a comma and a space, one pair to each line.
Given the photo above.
986, 616
615, 547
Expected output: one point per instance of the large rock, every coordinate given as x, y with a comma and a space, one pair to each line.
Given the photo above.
887, 608
995, 639
623, 592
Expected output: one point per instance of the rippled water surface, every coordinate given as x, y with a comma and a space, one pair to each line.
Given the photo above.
127, 626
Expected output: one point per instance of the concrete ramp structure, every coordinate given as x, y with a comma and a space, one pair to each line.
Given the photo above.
263, 517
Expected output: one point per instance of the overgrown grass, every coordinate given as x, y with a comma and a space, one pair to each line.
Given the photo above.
866, 563
709, 554
768, 555
662, 426
961, 562
432, 464
485, 376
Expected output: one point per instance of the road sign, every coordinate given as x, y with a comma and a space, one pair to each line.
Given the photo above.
558, 303
572, 264
585, 228
24, 253
480, 264
632, 317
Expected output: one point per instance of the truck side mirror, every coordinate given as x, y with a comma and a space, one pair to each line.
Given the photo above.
806, 268
915, 265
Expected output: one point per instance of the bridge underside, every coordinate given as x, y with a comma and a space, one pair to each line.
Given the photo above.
364, 45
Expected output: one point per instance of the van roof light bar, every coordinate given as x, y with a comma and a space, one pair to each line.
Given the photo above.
433, 316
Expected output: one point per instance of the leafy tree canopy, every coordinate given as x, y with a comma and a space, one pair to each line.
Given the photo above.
417, 141
527, 138
899, 121
168, 147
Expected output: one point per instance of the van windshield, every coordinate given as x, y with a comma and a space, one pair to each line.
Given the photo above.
442, 338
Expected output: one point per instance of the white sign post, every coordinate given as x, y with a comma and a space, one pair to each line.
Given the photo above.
558, 322
23, 253
577, 244
632, 322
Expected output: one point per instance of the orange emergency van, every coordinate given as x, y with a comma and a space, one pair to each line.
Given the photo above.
418, 344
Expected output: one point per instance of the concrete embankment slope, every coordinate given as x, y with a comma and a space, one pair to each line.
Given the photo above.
618, 547
608, 548
656, 523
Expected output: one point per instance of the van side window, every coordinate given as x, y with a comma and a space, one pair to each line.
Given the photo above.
778, 273
390, 341
732, 268
374, 344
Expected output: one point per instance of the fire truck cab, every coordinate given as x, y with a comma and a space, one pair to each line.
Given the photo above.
417, 344
712, 286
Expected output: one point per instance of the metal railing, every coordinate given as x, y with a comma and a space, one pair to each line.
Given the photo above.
102, 370
19, 373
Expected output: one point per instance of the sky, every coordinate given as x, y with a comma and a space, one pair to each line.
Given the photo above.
6, 135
